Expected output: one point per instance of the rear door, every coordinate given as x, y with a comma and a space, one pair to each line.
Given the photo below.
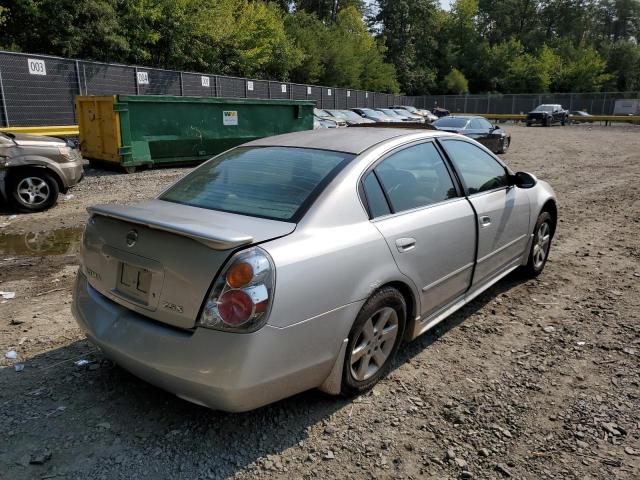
429, 227
502, 211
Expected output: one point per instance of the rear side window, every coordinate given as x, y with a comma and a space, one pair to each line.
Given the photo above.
268, 182
415, 177
378, 205
479, 170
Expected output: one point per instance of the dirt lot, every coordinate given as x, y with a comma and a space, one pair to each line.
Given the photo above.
535, 379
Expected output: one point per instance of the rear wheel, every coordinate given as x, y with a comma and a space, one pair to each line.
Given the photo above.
540, 246
32, 190
374, 340
547, 122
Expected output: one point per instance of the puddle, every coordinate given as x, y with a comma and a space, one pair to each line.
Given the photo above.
39, 244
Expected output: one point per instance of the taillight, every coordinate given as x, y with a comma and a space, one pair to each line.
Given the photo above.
241, 296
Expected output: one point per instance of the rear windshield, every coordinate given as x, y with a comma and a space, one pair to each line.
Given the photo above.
267, 182
451, 122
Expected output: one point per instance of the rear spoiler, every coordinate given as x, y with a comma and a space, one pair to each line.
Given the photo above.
154, 216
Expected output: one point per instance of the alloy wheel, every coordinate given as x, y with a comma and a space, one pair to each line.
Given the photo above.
374, 343
33, 191
541, 245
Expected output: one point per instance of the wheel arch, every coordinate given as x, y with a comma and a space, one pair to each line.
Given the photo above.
411, 302
551, 207
12, 171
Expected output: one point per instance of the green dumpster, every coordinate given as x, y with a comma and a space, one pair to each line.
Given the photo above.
131, 131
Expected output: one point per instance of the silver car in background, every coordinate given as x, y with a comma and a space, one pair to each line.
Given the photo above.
304, 260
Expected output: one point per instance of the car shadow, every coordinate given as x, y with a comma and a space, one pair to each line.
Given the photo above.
95, 417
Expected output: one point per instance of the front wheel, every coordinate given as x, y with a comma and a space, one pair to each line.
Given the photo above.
32, 190
504, 146
540, 246
374, 340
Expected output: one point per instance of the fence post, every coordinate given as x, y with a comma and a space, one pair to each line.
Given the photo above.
604, 100
513, 104
181, 85
4, 102
135, 70
464, 109
78, 77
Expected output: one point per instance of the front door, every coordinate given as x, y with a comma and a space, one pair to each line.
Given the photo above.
428, 226
502, 211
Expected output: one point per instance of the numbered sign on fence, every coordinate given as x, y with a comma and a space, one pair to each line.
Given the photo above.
308, 90
283, 87
36, 67
250, 85
205, 81
143, 78
348, 93
328, 92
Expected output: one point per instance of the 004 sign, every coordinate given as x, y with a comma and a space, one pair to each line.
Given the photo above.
36, 67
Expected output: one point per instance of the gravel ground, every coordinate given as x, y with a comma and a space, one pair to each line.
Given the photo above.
535, 379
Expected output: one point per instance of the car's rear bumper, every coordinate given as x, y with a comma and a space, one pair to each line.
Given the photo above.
225, 371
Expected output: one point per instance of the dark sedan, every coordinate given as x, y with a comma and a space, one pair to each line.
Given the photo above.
478, 128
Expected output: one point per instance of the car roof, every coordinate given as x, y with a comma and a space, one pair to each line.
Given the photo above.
349, 140
463, 117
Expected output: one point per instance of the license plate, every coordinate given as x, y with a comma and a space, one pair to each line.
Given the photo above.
134, 282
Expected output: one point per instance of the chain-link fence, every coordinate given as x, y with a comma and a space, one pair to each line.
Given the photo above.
600, 103
39, 90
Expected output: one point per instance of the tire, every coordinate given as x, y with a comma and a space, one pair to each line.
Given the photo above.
537, 261
504, 146
130, 169
385, 311
548, 122
563, 122
528, 124
32, 190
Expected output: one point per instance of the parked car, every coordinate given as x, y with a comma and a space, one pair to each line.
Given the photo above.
414, 117
375, 115
580, 116
323, 122
34, 169
304, 260
478, 128
398, 117
348, 116
547, 114
340, 122
428, 116
440, 112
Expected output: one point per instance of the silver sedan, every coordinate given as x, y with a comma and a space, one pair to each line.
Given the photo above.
304, 261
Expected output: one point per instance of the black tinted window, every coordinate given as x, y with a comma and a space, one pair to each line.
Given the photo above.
270, 182
479, 170
451, 122
415, 177
378, 205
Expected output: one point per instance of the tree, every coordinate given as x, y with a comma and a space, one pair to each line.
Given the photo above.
327, 10
409, 29
623, 62
455, 82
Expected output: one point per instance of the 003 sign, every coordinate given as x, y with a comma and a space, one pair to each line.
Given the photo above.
36, 67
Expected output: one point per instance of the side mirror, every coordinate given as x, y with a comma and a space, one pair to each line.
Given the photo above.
523, 180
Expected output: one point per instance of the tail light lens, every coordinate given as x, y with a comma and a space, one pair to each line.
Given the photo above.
241, 297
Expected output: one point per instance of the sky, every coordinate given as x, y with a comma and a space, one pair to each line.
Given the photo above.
446, 4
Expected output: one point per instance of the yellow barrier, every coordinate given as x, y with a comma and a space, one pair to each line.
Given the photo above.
592, 118
54, 131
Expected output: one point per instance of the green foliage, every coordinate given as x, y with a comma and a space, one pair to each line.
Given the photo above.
455, 82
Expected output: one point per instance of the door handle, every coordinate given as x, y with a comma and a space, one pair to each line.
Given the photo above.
485, 221
405, 244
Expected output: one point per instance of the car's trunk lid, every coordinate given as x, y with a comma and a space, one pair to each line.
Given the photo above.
159, 258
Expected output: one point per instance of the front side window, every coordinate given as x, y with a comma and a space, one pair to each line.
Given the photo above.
415, 177
268, 182
479, 170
